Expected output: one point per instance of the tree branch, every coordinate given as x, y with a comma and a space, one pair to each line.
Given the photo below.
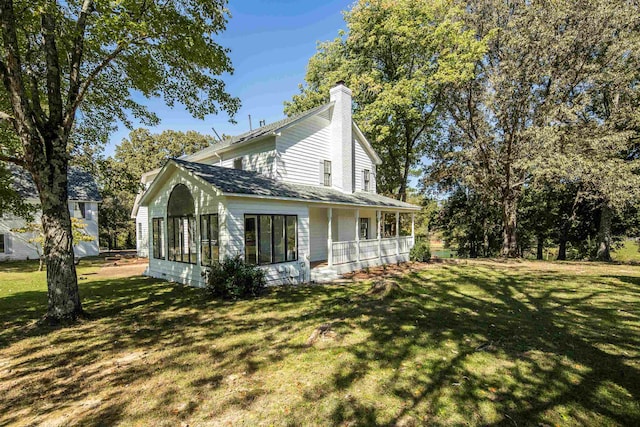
78, 50
7, 118
71, 108
11, 159
53, 69
10, 71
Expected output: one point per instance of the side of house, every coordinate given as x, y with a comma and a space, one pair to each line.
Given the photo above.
83, 204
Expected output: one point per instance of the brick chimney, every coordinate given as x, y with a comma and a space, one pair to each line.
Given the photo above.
341, 138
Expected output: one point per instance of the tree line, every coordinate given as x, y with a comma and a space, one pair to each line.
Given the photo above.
522, 115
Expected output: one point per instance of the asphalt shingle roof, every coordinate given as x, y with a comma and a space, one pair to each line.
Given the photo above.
234, 181
81, 185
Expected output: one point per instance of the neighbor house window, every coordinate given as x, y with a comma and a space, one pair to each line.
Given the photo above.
209, 243
157, 227
237, 163
270, 239
366, 179
78, 210
1, 243
364, 228
139, 231
181, 225
327, 173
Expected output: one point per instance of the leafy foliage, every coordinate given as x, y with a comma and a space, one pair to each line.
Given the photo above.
79, 65
420, 252
119, 176
33, 235
554, 98
234, 279
397, 57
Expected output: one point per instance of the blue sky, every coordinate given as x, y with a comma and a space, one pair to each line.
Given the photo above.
271, 43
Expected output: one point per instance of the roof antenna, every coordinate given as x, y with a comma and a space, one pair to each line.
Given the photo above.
250, 127
214, 131
263, 122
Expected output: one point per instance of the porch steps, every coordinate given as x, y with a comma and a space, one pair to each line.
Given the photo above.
324, 275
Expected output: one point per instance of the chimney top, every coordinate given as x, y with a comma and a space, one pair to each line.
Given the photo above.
340, 83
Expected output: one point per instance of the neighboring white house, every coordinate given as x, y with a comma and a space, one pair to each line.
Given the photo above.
297, 197
83, 203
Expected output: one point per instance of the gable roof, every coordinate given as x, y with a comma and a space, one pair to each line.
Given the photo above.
235, 182
263, 131
81, 185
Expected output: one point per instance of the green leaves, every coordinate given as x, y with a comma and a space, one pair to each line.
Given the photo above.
397, 57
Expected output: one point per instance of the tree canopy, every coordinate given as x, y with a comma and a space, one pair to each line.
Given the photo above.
74, 67
397, 57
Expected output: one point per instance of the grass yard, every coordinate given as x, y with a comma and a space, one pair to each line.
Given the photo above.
629, 252
473, 342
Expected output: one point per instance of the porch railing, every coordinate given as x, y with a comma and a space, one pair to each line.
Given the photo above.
347, 251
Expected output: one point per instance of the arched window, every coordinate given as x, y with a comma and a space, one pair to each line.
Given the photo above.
181, 225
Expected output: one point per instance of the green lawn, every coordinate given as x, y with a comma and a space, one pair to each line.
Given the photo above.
477, 342
629, 251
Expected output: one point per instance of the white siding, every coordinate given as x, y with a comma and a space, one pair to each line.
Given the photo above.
276, 273
206, 201
362, 161
20, 248
259, 157
142, 239
301, 148
318, 234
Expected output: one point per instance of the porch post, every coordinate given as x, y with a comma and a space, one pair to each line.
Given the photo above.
329, 241
357, 234
413, 228
397, 233
379, 234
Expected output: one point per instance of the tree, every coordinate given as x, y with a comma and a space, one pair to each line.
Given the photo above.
531, 93
33, 235
397, 57
119, 176
61, 58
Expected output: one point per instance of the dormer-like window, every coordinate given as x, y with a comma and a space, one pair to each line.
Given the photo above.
366, 180
237, 163
327, 173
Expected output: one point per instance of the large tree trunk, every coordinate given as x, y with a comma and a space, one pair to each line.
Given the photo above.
562, 250
509, 223
604, 234
540, 248
62, 283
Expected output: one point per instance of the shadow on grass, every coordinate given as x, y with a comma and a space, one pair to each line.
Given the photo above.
456, 341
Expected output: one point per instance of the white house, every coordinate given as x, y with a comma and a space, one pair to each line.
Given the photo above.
83, 204
296, 197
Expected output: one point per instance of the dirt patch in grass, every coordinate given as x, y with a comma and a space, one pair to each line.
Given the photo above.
391, 270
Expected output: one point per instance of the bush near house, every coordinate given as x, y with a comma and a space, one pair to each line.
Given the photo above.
420, 252
235, 279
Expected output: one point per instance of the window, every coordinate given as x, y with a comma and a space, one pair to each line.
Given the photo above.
139, 231
237, 163
364, 228
157, 227
366, 180
209, 244
78, 210
270, 239
181, 225
327, 173
1, 243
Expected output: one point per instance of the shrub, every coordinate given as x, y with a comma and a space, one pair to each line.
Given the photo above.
420, 252
234, 279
